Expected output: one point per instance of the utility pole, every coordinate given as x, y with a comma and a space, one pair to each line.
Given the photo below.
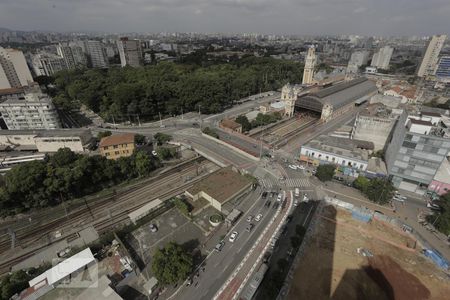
160, 120
139, 121
114, 122
182, 117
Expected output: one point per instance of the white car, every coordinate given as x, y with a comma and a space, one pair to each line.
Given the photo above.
293, 167
280, 197
296, 203
397, 198
301, 167
258, 217
154, 153
249, 218
233, 236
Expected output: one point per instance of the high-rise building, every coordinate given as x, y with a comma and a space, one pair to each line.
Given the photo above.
73, 55
443, 69
431, 56
47, 64
29, 110
358, 59
310, 63
97, 54
382, 58
130, 52
14, 72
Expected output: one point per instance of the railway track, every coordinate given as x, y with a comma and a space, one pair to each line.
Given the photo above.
123, 202
294, 134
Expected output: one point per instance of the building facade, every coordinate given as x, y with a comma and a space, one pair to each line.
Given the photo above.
431, 56
14, 71
382, 58
73, 55
130, 52
358, 59
47, 64
97, 54
33, 110
116, 146
443, 69
310, 63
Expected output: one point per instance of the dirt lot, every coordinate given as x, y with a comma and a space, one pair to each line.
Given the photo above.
331, 268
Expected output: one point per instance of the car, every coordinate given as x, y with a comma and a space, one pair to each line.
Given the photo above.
195, 124
279, 197
189, 282
154, 153
301, 167
153, 228
297, 192
276, 205
397, 198
250, 227
267, 256
219, 246
295, 203
293, 167
233, 236
249, 218
162, 126
268, 202
433, 206
258, 217
264, 195
305, 198
289, 218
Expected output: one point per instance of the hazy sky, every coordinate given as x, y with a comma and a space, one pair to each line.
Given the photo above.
369, 17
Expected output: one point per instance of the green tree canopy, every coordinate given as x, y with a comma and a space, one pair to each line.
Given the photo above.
441, 220
325, 172
103, 134
162, 138
171, 264
243, 120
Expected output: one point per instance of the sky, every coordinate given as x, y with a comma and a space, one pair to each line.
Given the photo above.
301, 17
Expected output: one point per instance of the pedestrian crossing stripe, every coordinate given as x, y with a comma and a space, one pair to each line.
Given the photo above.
288, 182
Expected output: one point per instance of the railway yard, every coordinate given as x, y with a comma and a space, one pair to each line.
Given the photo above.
102, 214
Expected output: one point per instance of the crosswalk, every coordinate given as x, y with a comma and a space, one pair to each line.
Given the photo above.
288, 182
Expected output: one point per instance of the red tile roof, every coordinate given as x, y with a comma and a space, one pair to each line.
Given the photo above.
118, 139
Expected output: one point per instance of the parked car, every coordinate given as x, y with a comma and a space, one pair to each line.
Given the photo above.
293, 167
233, 236
279, 197
250, 227
397, 198
219, 246
153, 228
249, 218
276, 205
264, 195
258, 217
154, 153
268, 202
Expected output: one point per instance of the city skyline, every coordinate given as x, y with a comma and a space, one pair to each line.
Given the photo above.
303, 17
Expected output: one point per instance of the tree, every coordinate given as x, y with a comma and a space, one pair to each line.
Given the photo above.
361, 183
441, 220
162, 138
243, 120
171, 264
380, 191
325, 172
143, 163
103, 134
166, 153
139, 139
210, 132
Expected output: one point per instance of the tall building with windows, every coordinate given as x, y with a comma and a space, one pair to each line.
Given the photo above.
357, 59
14, 72
310, 63
47, 64
431, 56
73, 55
29, 110
382, 58
130, 52
97, 54
443, 69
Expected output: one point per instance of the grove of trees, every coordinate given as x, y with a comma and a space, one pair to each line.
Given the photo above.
441, 220
15, 282
168, 88
171, 264
325, 172
66, 175
377, 190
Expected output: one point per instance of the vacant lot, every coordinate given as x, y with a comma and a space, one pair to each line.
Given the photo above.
331, 268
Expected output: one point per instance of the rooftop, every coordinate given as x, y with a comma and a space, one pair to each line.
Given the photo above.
356, 149
443, 173
221, 185
118, 139
227, 123
421, 122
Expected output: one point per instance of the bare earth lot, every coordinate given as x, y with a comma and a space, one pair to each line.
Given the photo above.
331, 268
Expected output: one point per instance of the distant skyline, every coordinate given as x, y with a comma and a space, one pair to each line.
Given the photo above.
301, 17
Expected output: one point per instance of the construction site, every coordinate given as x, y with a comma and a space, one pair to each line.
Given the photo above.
349, 258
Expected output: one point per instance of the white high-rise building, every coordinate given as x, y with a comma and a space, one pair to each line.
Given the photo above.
97, 54
31, 110
47, 64
73, 55
14, 72
130, 52
358, 59
382, 58
310, 63
431, 57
